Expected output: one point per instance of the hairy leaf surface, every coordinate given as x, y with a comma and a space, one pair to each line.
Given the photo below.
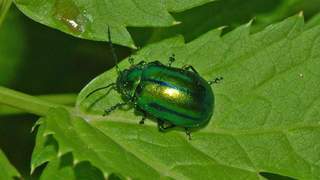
266, 116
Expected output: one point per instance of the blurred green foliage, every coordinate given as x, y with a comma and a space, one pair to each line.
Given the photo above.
39, 60
11, 47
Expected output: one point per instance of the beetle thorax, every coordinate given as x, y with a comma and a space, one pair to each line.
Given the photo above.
127, 82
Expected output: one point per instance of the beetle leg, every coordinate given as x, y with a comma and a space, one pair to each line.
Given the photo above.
188, 133
131, 60
157, 62
162, 126
142, 63
215, 81
138, 109
143, 118
169, 127
112, 108
171, 59
189, 67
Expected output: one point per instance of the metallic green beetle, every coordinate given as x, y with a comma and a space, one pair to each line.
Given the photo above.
173, 96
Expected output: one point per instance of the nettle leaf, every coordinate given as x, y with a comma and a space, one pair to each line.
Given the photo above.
61, 166
230, 13
89, 19
266, 119
7, 170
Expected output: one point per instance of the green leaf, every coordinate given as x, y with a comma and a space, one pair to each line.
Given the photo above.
266, 117
229, 13
4, 6
7, 170
89, 19
90, 144
63, 168
58, 167
45, 148
63, 99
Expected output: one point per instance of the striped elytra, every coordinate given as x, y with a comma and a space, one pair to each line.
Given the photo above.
174, 95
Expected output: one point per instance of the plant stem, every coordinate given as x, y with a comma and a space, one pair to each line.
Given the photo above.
64, 99
25, 102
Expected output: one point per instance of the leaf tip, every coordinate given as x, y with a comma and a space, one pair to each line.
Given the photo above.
60, 153
106, 175
37, 124
75, 162
221, 28
32, 168
250, 22
176, 22
47, 134
133, 46
301, 14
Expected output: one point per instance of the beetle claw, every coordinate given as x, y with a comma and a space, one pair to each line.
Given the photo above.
215, 81
171, 59
131, 60
142, 121
161, 127
188, 133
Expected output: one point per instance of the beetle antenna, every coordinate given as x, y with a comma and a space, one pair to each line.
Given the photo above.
98, 89
114, 55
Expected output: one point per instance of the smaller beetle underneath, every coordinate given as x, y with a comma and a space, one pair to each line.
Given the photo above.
175, 97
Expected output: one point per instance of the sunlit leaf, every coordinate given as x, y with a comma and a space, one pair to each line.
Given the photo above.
89, 19
266, 117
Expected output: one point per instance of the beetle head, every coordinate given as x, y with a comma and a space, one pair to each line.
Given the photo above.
127, 82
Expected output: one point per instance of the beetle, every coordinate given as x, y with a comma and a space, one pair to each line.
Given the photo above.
173, 96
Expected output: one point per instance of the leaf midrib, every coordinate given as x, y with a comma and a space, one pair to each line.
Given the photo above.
156, 166
214, 162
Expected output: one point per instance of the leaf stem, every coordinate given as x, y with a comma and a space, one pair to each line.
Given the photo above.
63, 99
25, 102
